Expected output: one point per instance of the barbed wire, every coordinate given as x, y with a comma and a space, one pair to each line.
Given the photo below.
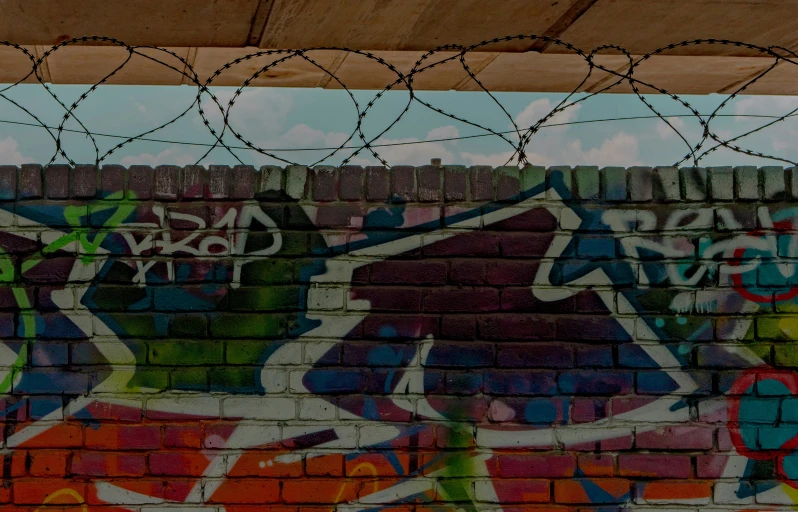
391, 144
518, 138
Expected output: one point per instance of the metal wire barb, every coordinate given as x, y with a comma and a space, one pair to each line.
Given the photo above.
518, 138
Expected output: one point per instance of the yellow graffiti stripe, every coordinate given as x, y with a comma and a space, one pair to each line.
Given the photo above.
791, 492
64, 492
362, 465
29, 332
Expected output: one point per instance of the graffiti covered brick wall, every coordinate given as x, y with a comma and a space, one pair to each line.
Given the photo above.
428, 338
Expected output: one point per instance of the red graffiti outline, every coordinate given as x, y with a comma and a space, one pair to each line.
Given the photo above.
739, 387
737, 279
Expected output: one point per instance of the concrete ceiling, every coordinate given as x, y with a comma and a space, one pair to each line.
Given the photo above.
210, 33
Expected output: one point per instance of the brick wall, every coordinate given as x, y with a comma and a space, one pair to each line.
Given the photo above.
416, 339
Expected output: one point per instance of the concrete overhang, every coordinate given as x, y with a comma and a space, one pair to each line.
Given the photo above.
207, 34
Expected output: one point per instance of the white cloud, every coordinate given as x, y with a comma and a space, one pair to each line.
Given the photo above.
493, 159
538, 109
9, 152
444, 132
666, 132
414, 154
622, 149
555, 146
303, 136
780, 135
411, 154
765, 105
300, 136
255, 111
417, 153
169, 156
619, 150
783, 138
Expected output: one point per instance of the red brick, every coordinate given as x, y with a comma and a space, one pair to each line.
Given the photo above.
30, 181
600, 464
385, 408
458, 327
319, 491
109, 411
324, 465
325, 184
166, 183
525, 245
56, 181
17, 466
408, 272
377, 184
455, 183
725, 443
583, 327
340, 215
471, 409
153, 489
369, 465
528, 219
506, 273
524, 299
5, 497
351, 183
189, 463
588, 410
508, 186
51, 270
442, 300
194, 182
573, 491
673, 491
84, 181
8, 182
468, 272
59, 436
189, 216
675, 438
383, 298
472, 245
39, 491
243, 182
124, 437
218, 182
182, 436
140, 179
403, 183
48, 462
265, 464
481, 183
710, 466
520, 491
620, 442
177, 489
516, 327
108, 464
273, 508
429, 183
536, 466
654, 465
621, 405
542, 355
400, 326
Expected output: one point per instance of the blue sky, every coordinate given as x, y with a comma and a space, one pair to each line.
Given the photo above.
305, 118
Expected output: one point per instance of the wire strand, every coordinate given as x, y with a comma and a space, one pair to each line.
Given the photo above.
357, 142
391, 144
